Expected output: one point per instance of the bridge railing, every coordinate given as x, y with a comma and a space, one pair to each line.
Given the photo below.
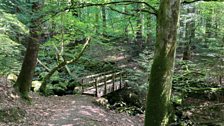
102, 79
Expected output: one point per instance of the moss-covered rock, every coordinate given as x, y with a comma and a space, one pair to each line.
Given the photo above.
12, 77
36, 85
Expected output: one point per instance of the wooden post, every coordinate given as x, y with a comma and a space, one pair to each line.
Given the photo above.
105, 84
82, 82
113, 81
120, 80
96, 81
220, 79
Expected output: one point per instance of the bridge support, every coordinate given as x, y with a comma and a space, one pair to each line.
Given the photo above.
120, 81
96, 82
105, 84
113, 81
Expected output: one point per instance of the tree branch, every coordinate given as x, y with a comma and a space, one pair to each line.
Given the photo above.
129, 14
61, 65
194, 1
121, 12
145, 10
45, 67
125, 2
83, 5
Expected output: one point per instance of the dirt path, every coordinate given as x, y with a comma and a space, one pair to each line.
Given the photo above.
69, 110
83, 112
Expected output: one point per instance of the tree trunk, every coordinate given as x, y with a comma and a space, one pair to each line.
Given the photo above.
97, 22
104, 19
139, 22
24, 80
160, 83
190, 33
126, 31
149, 30
208, 26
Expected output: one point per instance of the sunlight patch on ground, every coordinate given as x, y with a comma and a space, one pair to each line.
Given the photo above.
93, 110
73, 102
68, 125
114, 58
76, 119
85, 113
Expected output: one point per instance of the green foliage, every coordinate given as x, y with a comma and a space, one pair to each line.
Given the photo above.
12, 27
123, 107
10, 55
12, 32
185, 75
90, 62
186, 78
177, 99
138, 77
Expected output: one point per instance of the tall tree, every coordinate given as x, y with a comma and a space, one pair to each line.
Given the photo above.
139, 22
97, 22
160, 83
149, 29
208, 25
104, 19
190, 32
24, 80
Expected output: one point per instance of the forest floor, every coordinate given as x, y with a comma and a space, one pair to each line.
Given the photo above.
69, 110
204, 112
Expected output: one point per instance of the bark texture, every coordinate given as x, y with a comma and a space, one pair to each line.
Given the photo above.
189, 34
139, 22
160, 83
24, 80
104, 19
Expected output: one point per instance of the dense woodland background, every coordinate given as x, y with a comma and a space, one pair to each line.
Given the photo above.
77, 38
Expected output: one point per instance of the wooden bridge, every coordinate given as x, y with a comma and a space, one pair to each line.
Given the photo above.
103, 83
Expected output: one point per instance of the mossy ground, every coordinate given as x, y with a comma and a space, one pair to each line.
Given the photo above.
11, 115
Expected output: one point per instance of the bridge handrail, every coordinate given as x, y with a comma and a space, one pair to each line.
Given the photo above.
102, 80
100, 77
96, 75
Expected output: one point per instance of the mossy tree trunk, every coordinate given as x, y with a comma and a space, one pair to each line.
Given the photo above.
97, 22
104, 20
24, 80
208, 26
149, 32
190, 33
139, 23
126, 31
160, 83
